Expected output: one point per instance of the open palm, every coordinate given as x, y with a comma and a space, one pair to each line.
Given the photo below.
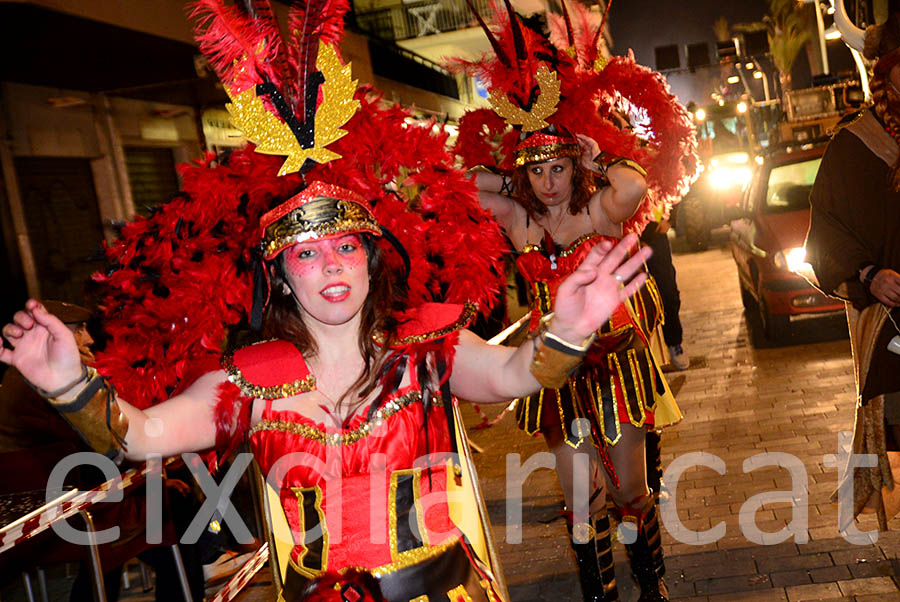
43, 348
590, 295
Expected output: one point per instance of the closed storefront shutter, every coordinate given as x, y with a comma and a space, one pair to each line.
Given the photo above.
60, 204
151, 173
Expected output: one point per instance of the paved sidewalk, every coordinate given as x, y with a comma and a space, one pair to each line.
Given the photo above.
738, 401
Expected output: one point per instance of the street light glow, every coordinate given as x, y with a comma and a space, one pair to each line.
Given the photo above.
700, 115
734, 79
749, 66
742, 107
757, 75
832, 33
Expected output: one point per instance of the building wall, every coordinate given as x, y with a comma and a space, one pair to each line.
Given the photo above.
79, 147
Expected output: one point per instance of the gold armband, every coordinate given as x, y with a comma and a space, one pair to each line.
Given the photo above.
96, 416
604, 161
554, 359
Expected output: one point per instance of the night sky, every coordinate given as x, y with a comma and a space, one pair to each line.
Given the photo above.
645, 24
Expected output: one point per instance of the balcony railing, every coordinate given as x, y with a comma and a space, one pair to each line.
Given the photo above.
416, 19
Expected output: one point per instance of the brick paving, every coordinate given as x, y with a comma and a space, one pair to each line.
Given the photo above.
738, 401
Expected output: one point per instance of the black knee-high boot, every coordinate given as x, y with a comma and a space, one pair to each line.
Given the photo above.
596, 571
646, 553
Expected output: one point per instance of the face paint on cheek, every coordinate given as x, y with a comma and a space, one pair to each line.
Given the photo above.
295, 265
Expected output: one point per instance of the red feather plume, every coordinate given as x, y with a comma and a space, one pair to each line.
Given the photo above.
241, 49
663, 141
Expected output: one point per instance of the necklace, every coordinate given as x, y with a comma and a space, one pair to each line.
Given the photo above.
559, 221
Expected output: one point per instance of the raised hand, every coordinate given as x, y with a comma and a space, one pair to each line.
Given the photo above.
589, 151
43, 348
588, 297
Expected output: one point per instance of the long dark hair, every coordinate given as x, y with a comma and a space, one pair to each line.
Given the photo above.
283, 320
582, 190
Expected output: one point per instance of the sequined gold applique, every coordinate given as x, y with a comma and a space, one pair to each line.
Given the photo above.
459, 594
413, 557
342, 437
467, 315
299, 564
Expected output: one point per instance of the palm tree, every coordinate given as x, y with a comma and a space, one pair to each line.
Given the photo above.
788, 30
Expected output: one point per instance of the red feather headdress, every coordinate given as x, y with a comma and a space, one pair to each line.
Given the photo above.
181, 278
591, 90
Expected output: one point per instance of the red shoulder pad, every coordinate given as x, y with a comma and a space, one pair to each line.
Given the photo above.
269, 370
431, 321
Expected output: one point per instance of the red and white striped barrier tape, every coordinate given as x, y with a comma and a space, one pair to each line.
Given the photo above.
66, 505
243, 576
487, 422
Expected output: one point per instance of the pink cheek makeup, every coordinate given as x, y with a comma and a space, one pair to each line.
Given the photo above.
295, 265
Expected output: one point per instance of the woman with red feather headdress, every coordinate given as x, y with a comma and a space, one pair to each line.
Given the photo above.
346, 398
581, 175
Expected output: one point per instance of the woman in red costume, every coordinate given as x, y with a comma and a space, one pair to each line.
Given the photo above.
344, 406
555, 221
554, 97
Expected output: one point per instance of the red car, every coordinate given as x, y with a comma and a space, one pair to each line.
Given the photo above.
767, 240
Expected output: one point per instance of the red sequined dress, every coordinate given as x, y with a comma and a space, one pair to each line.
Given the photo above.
618, 381
372, 493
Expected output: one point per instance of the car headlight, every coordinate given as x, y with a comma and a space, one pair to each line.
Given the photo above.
792, 260
726, 177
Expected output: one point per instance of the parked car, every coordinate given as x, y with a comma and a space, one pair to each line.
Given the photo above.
767, 240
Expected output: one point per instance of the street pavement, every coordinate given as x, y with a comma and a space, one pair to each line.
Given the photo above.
738, 401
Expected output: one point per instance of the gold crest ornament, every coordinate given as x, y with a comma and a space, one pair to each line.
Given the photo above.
273, 136
544, 107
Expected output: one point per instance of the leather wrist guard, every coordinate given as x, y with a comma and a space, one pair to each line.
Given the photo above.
96, 415
553, 362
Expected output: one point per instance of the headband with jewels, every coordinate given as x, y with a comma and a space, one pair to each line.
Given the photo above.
319, 212
543, 146
553, 70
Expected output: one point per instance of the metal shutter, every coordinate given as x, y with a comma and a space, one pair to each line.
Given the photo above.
151, 173
63, 220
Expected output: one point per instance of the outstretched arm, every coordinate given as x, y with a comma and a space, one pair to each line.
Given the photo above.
45, 352
585, 301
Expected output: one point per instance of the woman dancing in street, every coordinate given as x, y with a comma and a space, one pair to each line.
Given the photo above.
577, 181
326, 389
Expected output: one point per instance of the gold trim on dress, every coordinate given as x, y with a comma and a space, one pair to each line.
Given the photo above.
343, 437
639, 388
412, 557
236, 377
459, 593
615, 404
466, 316
298, 564
416, 474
